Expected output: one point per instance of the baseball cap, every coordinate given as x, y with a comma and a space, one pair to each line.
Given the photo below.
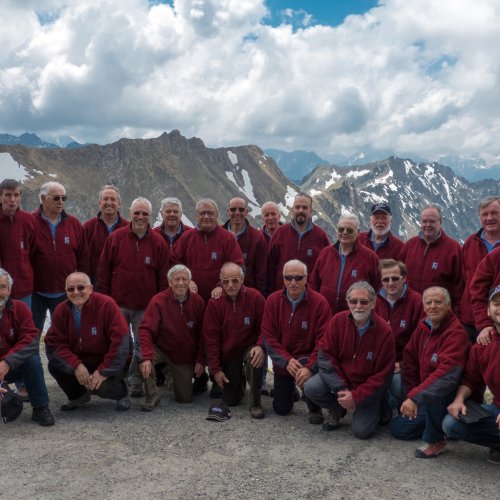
381, 207
219, 411
493, 293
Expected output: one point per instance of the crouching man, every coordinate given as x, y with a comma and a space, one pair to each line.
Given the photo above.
170, 334
482, 369
355, 363
231, 330
88, 346
19, 358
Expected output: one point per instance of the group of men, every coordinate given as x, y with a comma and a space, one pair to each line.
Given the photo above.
345, 322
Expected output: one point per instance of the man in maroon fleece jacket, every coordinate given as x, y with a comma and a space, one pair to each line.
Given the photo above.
433, 363
170, 334
233, 341
88, 346
355, 364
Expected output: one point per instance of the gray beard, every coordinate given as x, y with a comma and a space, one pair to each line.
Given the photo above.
361, 316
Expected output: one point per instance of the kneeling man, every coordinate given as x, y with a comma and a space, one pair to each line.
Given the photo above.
355, 363
88, 346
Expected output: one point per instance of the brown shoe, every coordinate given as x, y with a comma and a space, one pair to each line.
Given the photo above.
431, 450
257, 412
150, 403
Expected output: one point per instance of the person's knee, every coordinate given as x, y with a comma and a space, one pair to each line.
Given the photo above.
363, 432
400, 429
451, 427
33, 364
282, 407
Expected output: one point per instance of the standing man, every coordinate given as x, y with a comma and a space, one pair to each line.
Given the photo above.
100, 227
476, 247
295, 319
402, 308
88, 346
206, 249
355, 361
19, 358
252, 244
379, 238
343, 263
433, 363
270, 214
300, 239
171, 334
433, 258
172, 227
233, 341
60, 249
132, 269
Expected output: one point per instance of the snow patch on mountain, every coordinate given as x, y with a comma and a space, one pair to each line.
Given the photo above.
10, 169
357, 173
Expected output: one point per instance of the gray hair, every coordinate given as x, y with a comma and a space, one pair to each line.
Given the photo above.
487, 201
270, 204
228, 264
445, 293
44, 190
141, 199
295, 262
349, 216
178, 268
170, 201
361, 285
207, 201
4, 273
109, 186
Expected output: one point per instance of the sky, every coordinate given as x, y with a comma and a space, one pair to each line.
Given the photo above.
334, 77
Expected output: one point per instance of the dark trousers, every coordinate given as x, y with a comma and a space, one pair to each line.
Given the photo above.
39, 307
112, 388
284, 395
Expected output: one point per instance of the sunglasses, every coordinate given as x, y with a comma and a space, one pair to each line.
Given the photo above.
347, 230
395, 279
362, 302
206, 213
297, 277
58, 197
233, 281
237, 209
80, 288
142, 214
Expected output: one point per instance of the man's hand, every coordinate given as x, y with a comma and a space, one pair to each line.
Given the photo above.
257, 356
485, 336
498, 421
216, 292
397, 367
293, 366
96, 379
409, 409
221, 379
198, 369
4, 369
82, 375
145, 367
345, 399
457, 408
302, 376
193, 287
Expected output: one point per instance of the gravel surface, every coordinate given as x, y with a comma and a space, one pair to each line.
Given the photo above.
173, 452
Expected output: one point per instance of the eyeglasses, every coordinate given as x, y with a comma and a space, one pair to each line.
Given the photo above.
80, 288
395, 279
143, 214
58, 197
347, 230
206, 213
297, 277
362, 302
233, 281
237, 209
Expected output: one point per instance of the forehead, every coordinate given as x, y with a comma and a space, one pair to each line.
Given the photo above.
294, 269
56, 190
231, 271
180, 274
394, 270
140, 205
206, 206
270, 211
77, 279
494, 206
171, 206
434, 296
10, 191
360, 293
109, 193
4, 280
237, 202
348, 223
430, 213
301, 201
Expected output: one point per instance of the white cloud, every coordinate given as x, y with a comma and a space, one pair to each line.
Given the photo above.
420, 76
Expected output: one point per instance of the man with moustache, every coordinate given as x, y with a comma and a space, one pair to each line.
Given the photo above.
300, 239
97, 229
270, 214
355, 360
379, 238
132, 269
172, 227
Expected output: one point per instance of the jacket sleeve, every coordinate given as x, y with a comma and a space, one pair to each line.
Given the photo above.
234, 252
260, 265
323, 314
410, 370
164, 259
212, 324
271, 333
200, 351
482, 282
329, 369
259, 314
473, 377
314, 280
148, 331
105, 269
83, 253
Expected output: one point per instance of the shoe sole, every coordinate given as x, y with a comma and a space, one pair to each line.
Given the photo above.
421, 454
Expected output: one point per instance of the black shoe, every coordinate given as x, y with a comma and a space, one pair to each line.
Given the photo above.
43, 416
215, 392
200, 384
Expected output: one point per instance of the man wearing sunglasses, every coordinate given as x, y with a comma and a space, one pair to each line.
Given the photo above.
402, 308
60, 249
252, 244
88, 346
132, 269
294, 321
233, 341
379, 238
343, 263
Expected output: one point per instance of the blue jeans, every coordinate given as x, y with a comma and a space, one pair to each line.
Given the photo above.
134, 318
426, 425
31, 371
484, 433
396, 391
40, 305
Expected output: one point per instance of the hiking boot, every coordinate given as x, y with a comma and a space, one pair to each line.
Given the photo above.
123, 404
431, 450
257, 412
494, 456
73, 404
316, 417
150, 403
43, 416
332, 421
136, 391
